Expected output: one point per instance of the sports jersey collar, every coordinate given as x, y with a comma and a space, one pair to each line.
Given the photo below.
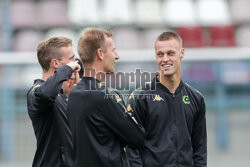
38, 81
165, 89
93, 82
89, 78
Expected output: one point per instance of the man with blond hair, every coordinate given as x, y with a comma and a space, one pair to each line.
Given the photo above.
174, 117
100, 123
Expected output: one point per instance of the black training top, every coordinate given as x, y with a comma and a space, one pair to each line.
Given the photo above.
100, 126
46, 104
175, 126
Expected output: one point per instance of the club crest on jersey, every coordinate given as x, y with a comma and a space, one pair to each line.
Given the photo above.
158, 98
185, 99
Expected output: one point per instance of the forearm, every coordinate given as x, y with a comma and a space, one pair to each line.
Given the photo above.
50, 89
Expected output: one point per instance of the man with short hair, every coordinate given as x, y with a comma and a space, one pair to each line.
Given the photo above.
98, 118
47, 101
173, 118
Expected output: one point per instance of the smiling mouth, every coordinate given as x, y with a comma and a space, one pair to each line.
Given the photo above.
166, 66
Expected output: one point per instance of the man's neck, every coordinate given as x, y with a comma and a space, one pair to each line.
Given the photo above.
47, 74
97, 73
170, 82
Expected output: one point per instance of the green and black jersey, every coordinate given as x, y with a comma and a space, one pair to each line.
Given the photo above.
175, 126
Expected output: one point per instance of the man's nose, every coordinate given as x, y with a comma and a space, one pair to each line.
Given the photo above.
165, 57
116, 56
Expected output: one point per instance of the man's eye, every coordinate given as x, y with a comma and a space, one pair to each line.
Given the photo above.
171, 53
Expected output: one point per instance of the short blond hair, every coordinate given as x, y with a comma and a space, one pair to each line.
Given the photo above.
165, 36
90, 41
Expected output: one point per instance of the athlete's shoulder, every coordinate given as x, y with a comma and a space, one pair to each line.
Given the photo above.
37, 84
80, 91
193, 90
142, 92
147, 87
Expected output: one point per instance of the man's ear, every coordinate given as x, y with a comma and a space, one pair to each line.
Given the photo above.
182, 52
54, 64
99, 54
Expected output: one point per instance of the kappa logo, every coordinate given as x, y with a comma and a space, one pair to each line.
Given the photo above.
185, 99
158, 98
129, 108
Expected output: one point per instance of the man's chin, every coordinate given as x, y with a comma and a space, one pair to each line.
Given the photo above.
165, 73
110, 71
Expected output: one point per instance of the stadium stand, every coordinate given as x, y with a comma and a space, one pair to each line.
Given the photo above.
184, 16
222, 36
52, 13
206, 17
243, 36
192, 36
27, 40
81, 12
112, 7
148, 12
239, 10
127, 38
23, 14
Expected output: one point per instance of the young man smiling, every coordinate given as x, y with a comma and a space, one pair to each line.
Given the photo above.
174, 118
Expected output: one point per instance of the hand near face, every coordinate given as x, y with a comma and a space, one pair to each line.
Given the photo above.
74, 65
69, 84
76, 78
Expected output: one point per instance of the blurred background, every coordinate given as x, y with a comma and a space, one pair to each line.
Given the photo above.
216, 35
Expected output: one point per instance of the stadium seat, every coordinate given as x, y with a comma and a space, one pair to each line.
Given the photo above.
243, 36
82, 12
191, 36
240, 12
126, 38
112, 7
148, 11
184, 16
23, 14
27, 40
52, 13
213, 12
222, 36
